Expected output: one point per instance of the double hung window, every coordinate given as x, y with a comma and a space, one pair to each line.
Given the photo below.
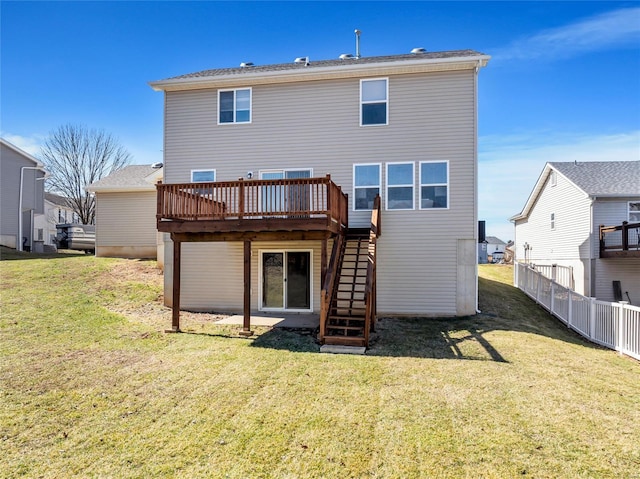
634, 211
434, 184
234, 106
374, 100
400, 181
366, 185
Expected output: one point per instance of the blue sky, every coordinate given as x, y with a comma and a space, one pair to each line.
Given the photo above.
563, 83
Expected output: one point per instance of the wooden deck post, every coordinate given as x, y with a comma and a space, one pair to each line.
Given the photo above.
323, 262
175, 306
246, 325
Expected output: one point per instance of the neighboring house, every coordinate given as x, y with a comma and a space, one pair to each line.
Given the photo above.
126, 212
560, 224
402, 126
495, 248
21, 196
56, 211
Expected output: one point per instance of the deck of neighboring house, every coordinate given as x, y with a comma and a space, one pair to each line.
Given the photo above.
282, 210
620, 241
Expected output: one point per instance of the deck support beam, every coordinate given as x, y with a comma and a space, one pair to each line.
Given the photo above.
175, 306
246, 326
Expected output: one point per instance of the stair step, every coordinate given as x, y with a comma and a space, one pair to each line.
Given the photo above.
346, 328
344, 340
346, 318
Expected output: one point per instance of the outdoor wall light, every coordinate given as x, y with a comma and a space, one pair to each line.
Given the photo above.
249, 174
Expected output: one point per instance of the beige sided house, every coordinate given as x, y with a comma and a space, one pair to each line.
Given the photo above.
586, 215
126, 212
271, 179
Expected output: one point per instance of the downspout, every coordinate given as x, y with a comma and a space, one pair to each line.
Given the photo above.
19, 238
475, 179
591, 288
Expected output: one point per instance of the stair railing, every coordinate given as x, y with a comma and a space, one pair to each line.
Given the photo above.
329, 284
370, 291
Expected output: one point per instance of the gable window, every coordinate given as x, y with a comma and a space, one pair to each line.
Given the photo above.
634, 211
554, 179
366, 185
434, 184
553, 221
203, 176
400, 180
374, 95
234, 106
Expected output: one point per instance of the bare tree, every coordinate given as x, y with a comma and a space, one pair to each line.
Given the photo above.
76, 157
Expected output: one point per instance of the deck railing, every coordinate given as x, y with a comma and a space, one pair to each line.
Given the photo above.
253, 199
617, 239
370, 291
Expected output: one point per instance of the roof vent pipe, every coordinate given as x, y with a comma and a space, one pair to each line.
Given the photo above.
246, 64
418, 50
357, 32
346, 56
304, 60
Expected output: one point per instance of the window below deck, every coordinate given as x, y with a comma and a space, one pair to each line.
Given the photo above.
203, 176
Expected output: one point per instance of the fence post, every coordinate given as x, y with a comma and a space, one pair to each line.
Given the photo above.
552, 303
620, 337
592, 317
538, 287
570, 309
516, 271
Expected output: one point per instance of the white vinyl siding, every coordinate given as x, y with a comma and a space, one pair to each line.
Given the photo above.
433, 120
400, 190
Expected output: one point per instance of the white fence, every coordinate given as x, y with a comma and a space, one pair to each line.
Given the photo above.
614, 325
562, 275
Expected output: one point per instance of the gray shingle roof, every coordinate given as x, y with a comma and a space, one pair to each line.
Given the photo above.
494, 240
129, 177
603, 178
56, 199
328, 63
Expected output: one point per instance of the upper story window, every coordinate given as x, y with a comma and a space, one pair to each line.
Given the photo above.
234, 106
400, 181
634, 211
374, 99
554, 179
366, 185
434, 184
203, 176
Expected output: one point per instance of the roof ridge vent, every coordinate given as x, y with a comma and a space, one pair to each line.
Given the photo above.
246, 64
155, 166
415, 51
304, 60
346, 56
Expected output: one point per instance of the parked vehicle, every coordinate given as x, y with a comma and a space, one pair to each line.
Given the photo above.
76, 236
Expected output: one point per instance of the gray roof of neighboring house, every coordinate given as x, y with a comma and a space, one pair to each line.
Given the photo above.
493, 240
328, 63
56, 199
603, 178
133, 177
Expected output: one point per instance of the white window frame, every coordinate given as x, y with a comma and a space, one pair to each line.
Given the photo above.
205, 170
260, 279
634, 212
554, 178
386, 101
353, 174
235, 108
412, 185
447, 184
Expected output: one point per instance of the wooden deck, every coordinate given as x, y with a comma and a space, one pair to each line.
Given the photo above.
622, 241
283, 209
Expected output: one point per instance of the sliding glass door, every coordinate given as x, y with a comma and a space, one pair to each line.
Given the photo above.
286, 280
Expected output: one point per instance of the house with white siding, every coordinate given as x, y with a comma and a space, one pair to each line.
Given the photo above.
343, 188
57, 210
21, 196
126, 212
586, 215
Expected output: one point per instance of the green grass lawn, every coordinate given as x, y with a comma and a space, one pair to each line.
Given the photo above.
91, 387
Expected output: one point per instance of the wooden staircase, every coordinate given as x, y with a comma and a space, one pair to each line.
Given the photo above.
349, 293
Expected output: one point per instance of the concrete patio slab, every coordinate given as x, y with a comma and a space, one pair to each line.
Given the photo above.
339, 349
293, 321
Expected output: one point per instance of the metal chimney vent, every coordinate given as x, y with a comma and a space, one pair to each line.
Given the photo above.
418, 50
304, 60
246, 64
346, 56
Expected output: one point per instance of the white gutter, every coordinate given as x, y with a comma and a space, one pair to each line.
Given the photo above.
19, 238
